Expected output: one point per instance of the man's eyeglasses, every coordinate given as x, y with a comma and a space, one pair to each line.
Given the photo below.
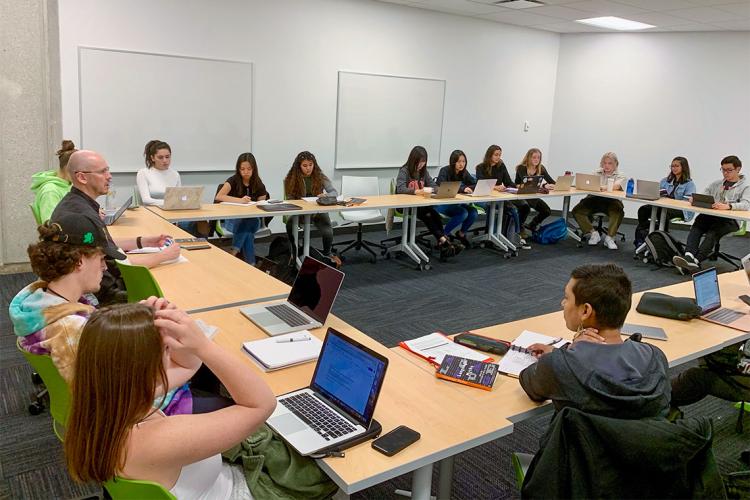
727, 170
104, 171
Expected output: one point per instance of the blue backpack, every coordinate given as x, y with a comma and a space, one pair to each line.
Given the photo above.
551, 233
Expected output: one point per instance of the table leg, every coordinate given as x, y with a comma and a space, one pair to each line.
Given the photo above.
490, 236
566, 209
413, 235
663, 219
499, 236
421, 483
654, 215
306, 239
404, 245
295, 225
446, 479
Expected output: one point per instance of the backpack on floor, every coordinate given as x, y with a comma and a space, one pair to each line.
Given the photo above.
279, 263
551, 233
662, 247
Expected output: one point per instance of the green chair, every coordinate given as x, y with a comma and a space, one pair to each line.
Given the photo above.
59, 393
521, 462
37, 215
132, 489
139, 282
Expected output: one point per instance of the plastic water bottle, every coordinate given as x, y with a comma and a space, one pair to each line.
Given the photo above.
630, 188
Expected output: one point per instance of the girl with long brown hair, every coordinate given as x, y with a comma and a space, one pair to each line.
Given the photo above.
531, 165
127, 355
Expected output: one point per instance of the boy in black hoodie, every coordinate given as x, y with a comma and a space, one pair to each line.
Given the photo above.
599, 373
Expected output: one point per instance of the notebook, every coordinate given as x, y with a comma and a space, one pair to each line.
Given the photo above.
468, 372
435, 346
274, 353
518, 356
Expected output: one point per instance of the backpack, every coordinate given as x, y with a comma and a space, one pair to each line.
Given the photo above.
551, 233
279, 263
662, 247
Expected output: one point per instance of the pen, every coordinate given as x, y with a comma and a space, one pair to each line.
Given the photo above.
293, 339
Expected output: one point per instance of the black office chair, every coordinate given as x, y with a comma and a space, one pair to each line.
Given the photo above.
735, 262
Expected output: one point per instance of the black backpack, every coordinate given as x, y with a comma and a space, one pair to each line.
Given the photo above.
279, 263
662, 247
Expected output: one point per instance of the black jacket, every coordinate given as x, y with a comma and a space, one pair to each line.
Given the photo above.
521, 173
466, 179
499, 172
590, 456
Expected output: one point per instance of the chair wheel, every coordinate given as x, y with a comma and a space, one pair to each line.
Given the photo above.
36, 408
482, 245
36, 379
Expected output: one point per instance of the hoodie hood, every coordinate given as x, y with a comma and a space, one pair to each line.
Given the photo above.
40, 180
33, 309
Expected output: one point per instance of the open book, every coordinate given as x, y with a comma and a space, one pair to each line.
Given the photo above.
519, 357
435, 346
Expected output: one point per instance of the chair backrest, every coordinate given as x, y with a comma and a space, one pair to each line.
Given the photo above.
59, 392
352, 185
132, 489
139, 282
35, 211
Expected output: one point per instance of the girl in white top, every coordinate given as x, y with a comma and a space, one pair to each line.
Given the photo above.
154, 179
126, 355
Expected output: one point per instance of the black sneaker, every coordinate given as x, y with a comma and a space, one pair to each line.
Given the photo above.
686, 262
446, 251
458, 247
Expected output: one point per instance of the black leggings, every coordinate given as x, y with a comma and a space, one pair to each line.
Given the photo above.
431, 219
542, 212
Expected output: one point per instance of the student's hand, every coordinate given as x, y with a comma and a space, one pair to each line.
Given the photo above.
246, 199
539, 350
262, 198
720, 206
419, 192
550, 187
155, 241
102, 214
158, 303
179, 331
468, 190
500, 187
171, 252
588, 335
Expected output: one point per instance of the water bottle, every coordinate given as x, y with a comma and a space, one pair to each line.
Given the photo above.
631, 187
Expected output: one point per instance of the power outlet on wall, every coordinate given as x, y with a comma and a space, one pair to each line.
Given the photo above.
526, 126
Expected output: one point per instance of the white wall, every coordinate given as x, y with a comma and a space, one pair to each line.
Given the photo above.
650, 97
298, 46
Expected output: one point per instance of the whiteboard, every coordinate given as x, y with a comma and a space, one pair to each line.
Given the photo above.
380, 118
201, 107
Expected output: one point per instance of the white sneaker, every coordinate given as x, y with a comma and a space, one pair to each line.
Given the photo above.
594, 238
610, 243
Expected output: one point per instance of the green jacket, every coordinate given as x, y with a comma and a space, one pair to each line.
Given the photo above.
48, 190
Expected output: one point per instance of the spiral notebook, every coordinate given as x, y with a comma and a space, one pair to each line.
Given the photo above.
519, 357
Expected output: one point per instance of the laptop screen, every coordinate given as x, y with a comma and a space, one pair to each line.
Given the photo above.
315, 288
706, 284
350, 375
120, 210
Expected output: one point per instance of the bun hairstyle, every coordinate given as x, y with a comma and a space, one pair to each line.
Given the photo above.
67, 148
51, 260
151, 148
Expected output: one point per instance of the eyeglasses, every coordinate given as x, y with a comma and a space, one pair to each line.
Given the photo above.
104, 171
727, 170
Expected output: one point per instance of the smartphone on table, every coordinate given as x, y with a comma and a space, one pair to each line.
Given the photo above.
396, 440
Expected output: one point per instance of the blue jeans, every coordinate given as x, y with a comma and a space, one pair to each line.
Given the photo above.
243, 236
460, 215
189, 226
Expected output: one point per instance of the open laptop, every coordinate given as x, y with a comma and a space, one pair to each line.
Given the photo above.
182, 198
340, 401
746, 265
312, 296
589, 182
484, 187
447, 190
530, 184
706, 284
645, 190
702, 200
111, 216
564, 183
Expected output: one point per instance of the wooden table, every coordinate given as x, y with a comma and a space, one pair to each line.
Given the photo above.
449, 421
212, 278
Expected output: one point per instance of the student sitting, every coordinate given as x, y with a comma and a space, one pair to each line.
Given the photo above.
592, 204
49, 315
50, 186
154, 179
677, 185
532, 165
243, 187
413, 178
730, 193
599, 373
493, 167
460, 215
114, 429
305, 179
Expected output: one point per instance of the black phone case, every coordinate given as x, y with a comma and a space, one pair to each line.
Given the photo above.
400, 446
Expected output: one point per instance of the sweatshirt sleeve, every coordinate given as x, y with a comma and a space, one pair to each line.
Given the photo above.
505, 176
328, 186
743, 198
548, 178
539, 380
428, 180
519, 177
402, 182
48, 200
144, 192
442, 175
620, 181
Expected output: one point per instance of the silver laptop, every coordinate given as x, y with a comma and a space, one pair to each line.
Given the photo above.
111, 216
447, 190
645, 190
484, 187
340, 401
564, 183
589, 182
708, 298
311, 299
746, 265
182, 198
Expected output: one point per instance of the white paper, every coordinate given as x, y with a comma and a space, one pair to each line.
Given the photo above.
514, 362
238, 204
435, 346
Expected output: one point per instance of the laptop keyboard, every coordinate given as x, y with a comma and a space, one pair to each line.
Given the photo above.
288, 315
320, 418
725, 316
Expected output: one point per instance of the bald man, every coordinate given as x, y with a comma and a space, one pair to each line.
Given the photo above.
90, 175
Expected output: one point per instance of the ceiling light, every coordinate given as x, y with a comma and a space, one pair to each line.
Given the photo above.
615, 23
